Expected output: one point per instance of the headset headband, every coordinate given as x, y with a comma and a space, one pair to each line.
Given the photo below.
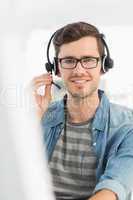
107, 61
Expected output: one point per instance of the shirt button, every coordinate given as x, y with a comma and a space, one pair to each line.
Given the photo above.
94, 144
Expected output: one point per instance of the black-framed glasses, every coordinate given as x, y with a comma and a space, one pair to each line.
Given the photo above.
71, 62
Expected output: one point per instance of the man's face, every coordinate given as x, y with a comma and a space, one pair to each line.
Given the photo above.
81, 82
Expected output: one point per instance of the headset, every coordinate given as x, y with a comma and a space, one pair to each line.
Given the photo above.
107, 61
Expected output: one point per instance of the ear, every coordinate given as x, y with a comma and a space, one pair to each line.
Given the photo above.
56, 67
102, 71
59, 74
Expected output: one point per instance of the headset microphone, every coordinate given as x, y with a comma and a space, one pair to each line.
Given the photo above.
58, 86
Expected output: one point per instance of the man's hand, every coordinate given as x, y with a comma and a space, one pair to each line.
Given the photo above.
104, 195
42, 101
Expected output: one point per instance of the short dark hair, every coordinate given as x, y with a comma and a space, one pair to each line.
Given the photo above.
75, 31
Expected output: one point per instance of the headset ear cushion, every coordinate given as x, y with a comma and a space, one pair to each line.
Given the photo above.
110, 63
107, 63
56, 68
49, 67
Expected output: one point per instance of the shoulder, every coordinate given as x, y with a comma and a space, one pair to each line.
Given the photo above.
112, 114
54, 113
120, 114
54, 106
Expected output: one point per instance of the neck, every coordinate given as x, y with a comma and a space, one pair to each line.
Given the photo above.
82, 109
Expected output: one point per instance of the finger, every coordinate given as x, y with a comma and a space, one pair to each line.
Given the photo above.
48, 91
44, 80
42, 77
38, 99
42, 83
38, 86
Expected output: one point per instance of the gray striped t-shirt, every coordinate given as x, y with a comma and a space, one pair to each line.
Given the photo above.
73, 163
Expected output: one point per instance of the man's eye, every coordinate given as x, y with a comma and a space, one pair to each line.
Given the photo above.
89, 60
69, 61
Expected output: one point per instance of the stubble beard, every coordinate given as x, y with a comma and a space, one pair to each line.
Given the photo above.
82, 96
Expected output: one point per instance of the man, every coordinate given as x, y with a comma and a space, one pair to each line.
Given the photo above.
89, 141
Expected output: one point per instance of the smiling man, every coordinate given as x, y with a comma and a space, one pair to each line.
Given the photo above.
88, 139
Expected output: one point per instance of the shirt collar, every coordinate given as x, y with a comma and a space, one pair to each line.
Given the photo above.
101, 115
55, 114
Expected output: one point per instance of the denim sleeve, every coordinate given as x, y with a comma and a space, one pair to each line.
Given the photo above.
118, 174
114, 186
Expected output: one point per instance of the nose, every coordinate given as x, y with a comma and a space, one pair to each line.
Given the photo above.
79, 68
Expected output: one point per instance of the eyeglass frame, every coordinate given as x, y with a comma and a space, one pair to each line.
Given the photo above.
77, 60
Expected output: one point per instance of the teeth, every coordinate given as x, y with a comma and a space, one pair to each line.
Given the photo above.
80, 81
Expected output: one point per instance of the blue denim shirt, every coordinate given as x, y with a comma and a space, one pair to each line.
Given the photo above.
112, 135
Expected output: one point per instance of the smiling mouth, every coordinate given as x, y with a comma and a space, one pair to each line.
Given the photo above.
79, 81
